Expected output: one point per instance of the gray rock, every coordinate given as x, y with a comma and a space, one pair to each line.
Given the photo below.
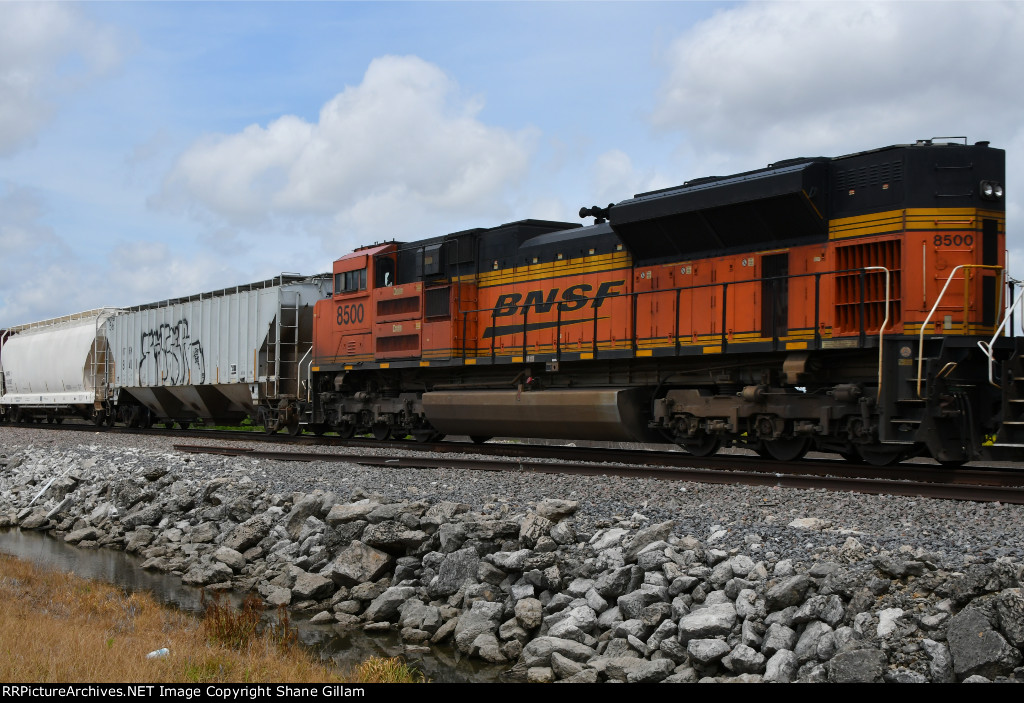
713, 621
84, 534
940, 664
646, 536
538, 651
557, 510
249, 533
347, 513
529, 612
828, 609
857, 666
385, 607
1008, 610
510, 561
312, 587
781, 667
777, 638
631, 604
633, 670
457, 568
533, 527
358, 563
977, 648
816, 643
744, 660
790, 591
203, 574
564, 667
707, 651
482, 617
227, 555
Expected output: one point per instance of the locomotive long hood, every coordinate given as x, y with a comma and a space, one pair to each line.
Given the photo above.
771, 207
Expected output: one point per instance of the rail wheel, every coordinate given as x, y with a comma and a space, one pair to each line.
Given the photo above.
479, 439
852, 457
97, 417
791, 449
702, 445
881, 455
184, 425
427, 435
381, 431
318, 429
345, 430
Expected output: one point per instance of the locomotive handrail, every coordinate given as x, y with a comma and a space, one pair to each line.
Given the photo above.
924, 325
986, 347
885, 323
309, 375
678, 290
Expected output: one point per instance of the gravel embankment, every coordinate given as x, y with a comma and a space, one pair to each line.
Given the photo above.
609, 570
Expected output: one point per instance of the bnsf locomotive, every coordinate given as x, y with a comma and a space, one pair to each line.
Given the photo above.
851, 304
856, 305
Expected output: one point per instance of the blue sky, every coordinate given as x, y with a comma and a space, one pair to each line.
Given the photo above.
149, 150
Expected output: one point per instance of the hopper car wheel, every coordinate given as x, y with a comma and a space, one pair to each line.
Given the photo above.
880, 455
58, 420
318, 429
97, 418
184, 425
294, 430
427, 436
792, 449
479, 439
49, 419
168, 425
852, 457
703, 445
952, 463
381, 431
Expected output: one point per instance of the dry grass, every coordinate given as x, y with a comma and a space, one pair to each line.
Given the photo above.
59, 628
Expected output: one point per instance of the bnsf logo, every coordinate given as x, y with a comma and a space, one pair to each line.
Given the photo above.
573, 298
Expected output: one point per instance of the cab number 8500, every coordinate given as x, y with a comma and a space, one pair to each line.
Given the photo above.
954, 240
348, 314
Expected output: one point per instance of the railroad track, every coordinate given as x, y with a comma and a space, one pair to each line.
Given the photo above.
1001, 486
914, 478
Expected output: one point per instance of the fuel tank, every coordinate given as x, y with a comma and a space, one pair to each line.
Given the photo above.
603, 414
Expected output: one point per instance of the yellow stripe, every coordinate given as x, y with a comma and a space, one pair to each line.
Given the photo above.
424, 363
796, 345
644, 352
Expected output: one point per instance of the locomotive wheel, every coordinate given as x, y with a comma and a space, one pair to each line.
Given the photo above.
852, 457
58, 420
479, 439
427, 436
318, 429
381, 431
880, 455
792, 449
702, 445
346, 430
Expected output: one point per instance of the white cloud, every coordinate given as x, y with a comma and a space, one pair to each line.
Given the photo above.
771, 80
46, 50
386, 158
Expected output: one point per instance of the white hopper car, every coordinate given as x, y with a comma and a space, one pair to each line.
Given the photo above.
216, 357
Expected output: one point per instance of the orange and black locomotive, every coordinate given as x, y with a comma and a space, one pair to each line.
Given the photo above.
855, 304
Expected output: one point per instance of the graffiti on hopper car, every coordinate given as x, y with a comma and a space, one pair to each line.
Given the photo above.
170, 357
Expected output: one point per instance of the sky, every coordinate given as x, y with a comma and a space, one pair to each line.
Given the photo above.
153, 150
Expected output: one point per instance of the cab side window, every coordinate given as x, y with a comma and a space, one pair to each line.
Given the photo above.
350, 281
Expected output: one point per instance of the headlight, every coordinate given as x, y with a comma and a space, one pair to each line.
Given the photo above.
991, 190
